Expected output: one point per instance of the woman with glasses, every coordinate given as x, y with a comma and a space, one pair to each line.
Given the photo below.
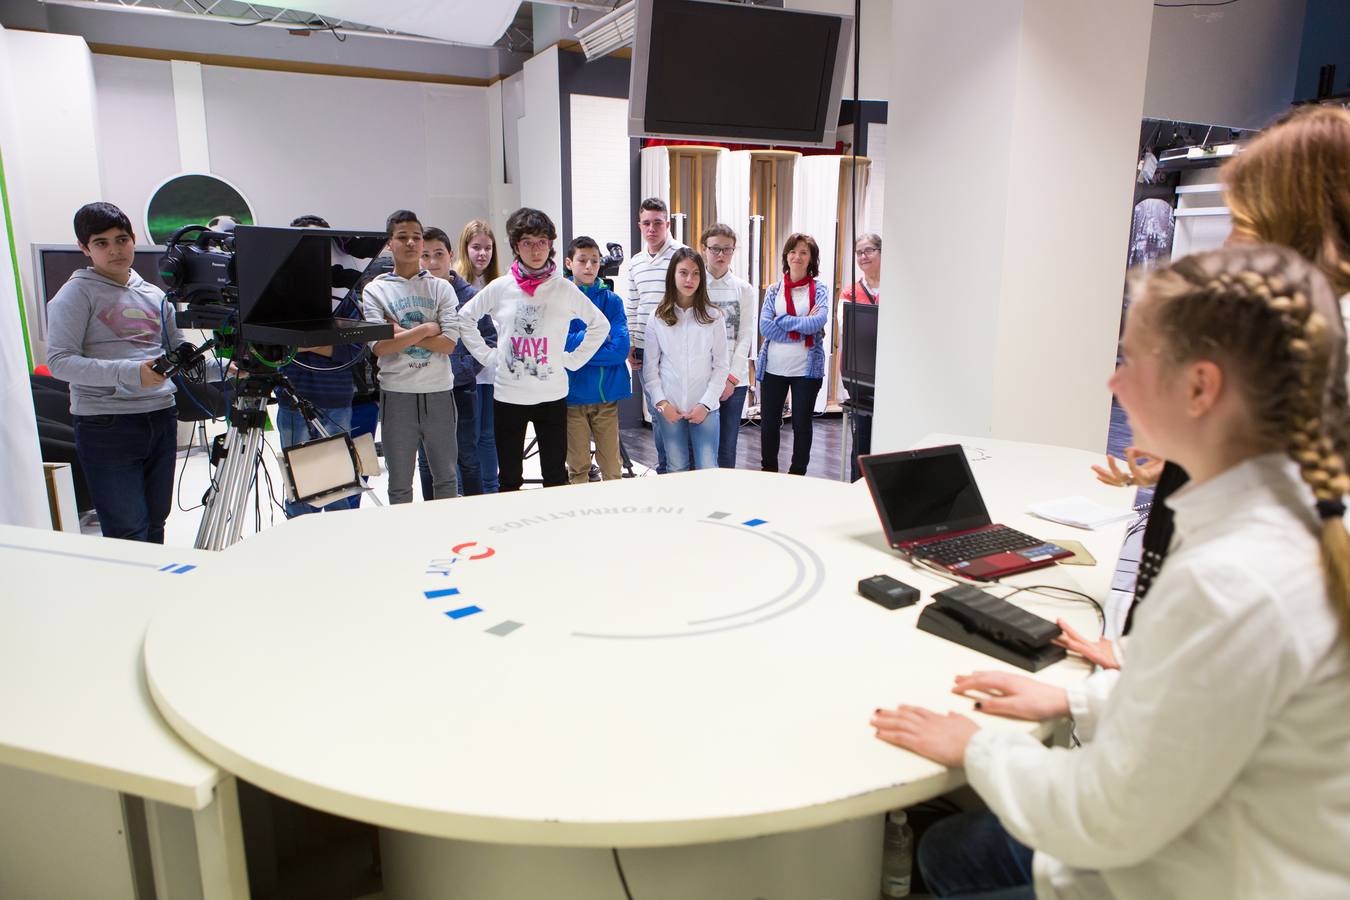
533, 306
867, 252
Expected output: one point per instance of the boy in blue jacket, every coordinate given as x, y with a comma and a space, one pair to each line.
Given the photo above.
594, 390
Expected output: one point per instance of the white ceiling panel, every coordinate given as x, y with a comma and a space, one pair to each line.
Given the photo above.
478, 22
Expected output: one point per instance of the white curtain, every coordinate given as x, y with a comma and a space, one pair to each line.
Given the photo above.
733, 204
655, 177
815, 211
24, 499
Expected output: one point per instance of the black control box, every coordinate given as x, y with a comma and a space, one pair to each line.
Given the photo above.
886, 591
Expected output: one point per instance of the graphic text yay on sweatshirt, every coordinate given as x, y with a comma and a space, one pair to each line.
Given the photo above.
529, 350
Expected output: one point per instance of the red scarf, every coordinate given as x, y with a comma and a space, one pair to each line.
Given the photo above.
529, 281
788, 286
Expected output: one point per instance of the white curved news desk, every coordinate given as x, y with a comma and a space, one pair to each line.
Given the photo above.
650, 663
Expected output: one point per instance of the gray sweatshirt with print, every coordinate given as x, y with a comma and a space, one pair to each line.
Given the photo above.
99, 333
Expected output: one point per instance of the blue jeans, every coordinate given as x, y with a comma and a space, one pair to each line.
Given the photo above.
466, 431
970, 856
293, 429
678, 435
128, 462
659, 439
729, 414
487, 440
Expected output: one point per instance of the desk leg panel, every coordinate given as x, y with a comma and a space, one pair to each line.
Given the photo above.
840, 861
60, 838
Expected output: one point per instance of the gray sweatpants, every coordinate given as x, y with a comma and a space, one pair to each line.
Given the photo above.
407, 420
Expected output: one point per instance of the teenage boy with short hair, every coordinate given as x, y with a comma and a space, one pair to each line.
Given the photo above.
646, 286
438, 258
106, 327
735, 297
417, 404
594, 390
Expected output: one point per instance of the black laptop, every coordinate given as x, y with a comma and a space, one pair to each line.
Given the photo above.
931, 509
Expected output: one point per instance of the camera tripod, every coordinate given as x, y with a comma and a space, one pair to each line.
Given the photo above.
236, 459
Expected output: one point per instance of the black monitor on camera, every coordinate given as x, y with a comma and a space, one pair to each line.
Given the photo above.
272, 285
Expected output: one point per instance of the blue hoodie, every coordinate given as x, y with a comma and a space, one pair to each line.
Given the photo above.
605, 378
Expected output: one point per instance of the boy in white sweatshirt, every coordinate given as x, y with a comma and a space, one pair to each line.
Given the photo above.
533, 305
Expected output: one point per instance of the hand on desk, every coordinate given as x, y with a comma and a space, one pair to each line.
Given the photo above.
942, 739
1100, 652
1013, 696
1144, 469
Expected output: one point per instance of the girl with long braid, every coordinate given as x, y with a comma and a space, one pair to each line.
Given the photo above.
1217, 765
1290, 187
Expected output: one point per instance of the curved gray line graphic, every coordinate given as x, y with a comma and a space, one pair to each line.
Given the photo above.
811, 591
798, 577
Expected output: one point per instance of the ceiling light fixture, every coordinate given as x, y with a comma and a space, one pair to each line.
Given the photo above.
609, 32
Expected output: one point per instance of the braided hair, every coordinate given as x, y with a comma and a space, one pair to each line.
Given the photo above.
1270, 316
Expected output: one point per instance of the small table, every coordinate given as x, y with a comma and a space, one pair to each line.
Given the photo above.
82, 750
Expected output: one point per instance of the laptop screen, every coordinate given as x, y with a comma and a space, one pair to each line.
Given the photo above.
924, 493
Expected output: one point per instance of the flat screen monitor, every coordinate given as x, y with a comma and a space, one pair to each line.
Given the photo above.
287, 274
744, 74
858, 347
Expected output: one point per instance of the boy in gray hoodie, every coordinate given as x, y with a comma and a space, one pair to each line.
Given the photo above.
106, 327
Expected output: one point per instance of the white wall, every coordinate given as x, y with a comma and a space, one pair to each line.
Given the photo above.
53, 152
503, 193
1004, 283
24, 500
1233, 65
349, 149
540, 136
137, 129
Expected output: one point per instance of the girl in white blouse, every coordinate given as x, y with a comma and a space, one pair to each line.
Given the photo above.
1219, 764
685, 365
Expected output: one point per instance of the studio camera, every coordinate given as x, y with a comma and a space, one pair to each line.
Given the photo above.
264, 291
610, 262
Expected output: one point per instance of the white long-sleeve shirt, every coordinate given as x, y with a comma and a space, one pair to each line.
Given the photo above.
1219, 766
646, 286
735, 297
530, 357
685, 363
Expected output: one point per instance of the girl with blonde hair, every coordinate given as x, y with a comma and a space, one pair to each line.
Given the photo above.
477, 264
1216, 766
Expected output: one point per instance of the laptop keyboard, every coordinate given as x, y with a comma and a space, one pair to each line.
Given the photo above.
975, 545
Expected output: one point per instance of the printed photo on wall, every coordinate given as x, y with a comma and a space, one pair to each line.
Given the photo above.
193, 199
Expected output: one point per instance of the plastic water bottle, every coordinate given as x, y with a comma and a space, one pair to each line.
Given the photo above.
897, 855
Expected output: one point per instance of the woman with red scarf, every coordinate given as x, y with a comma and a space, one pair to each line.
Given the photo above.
792, 357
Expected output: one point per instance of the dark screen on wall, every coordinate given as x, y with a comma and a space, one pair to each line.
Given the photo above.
739, 72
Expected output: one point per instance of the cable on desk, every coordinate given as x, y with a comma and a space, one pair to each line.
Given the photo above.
933, 569
1077, 595
619, 866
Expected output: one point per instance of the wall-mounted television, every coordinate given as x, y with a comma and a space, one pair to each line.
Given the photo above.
712, 70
